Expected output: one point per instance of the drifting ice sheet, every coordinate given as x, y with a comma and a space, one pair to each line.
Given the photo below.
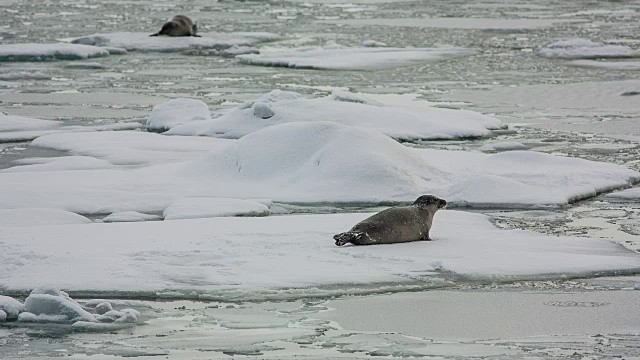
584, 49
464, 244
400, 122
47, 52
136, 41
31, 217
365, 58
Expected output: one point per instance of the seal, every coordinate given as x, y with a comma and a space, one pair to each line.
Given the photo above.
180, 25
395, 225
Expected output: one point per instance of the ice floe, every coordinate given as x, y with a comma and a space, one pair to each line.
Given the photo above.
176, 112
47, 52
607, 65
22, 123
585, 49
85, 65
49, 305
137, 41
400, 122
31, 217
342, 58
628, 194
243, 257
307, 162
59, 164
503, 146
193, 208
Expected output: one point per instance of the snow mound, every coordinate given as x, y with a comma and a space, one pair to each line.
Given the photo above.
48, 305
137, 41
319, 160
47, 52
31, 217
585, 49
10, 308
193, 208
364, 58
242, 258
176, 112
399, 122
130, 216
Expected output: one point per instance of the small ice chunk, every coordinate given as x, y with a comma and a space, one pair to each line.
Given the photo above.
503, 146
115, 50
47, 304
10, 306
262, 110
239, 50
373, 43
346, 96
46, 290
176, 112
3, 316
42, 318
103, 308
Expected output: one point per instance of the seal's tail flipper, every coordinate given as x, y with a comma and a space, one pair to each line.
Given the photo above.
347, 237
156, 34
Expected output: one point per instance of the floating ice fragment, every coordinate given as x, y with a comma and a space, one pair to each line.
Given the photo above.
585, 49
48, 52
191, 208
262, 110
10, 306
103, 308
176, 112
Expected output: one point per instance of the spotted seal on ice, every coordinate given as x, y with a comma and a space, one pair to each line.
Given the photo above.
180, 25
395, 225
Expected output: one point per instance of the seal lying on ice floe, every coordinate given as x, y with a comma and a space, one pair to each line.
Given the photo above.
180, 25
395, 225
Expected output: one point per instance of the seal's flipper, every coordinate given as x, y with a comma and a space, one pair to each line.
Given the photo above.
347, 237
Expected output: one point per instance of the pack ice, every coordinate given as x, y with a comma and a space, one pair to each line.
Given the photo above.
278, 107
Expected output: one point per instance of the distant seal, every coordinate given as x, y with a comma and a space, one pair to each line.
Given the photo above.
180, 25
395, 225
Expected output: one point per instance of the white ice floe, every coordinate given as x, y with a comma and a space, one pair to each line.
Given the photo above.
46, 52
305, 163
39, 216
229, 257
400, 122
503, 146
176, 112
607, 65
130, 216
628, 194
236, 50
136, 41
59, 164
130, 147
10, 308
194, 208
585, 49
365, 58
10, 123
47, 305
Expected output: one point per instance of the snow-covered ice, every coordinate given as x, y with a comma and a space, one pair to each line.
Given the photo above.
307, 162
31, 217
10, 307
628, 194
59, 164
85, 65
194, 208
585, 49
10, 123
234, 256
343, 58
400, 122
138, 41
47, 52
176, 112
503, 146
495, 24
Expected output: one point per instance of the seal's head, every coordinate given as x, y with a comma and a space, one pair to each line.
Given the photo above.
429, 201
